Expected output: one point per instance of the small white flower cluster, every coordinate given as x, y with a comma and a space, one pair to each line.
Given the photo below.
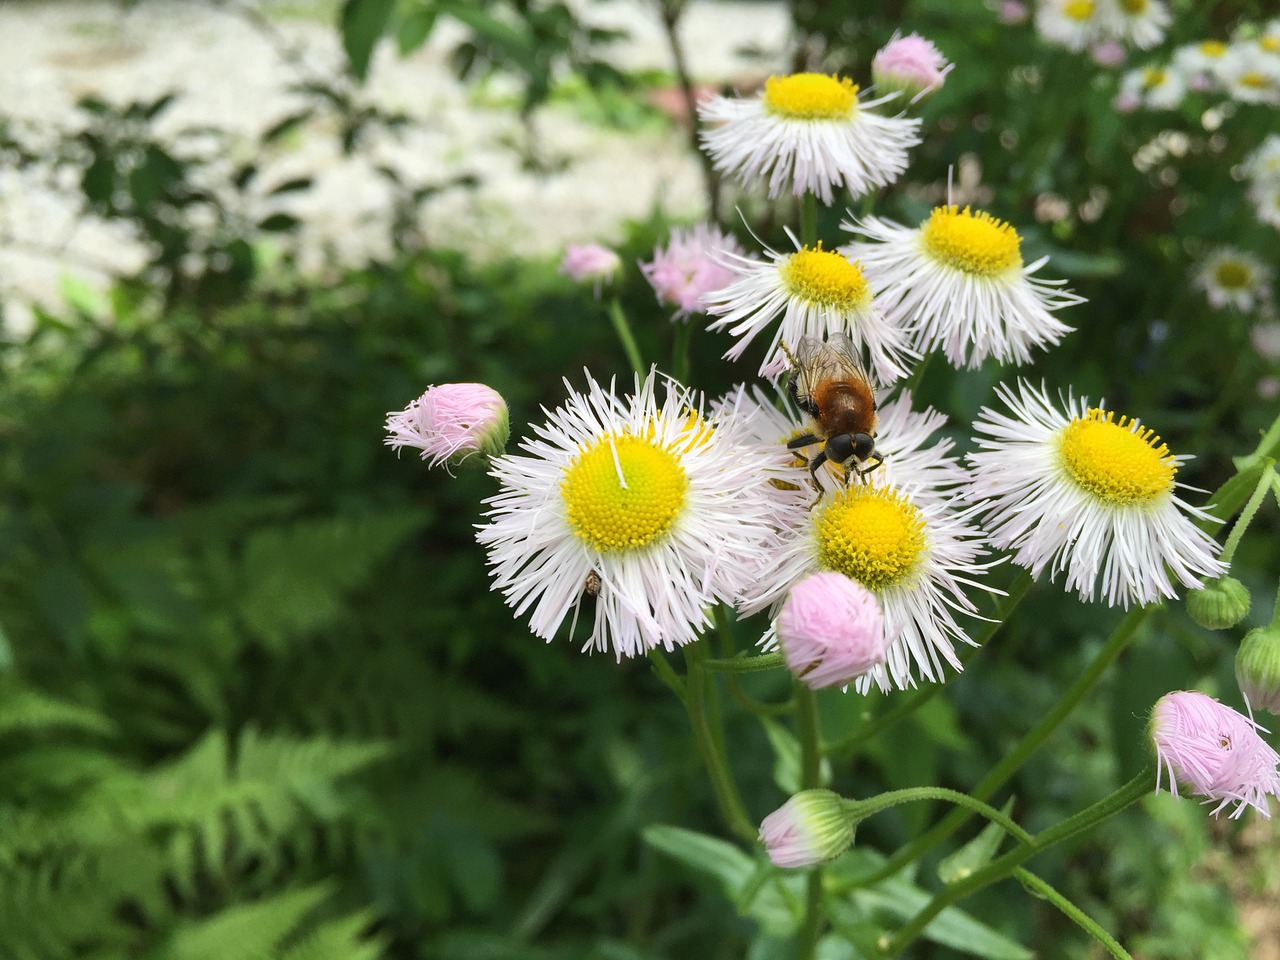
1246, 69
1077, 24
1262, 168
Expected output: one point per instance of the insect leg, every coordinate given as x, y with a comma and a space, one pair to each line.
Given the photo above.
804, 440
815, 463
876, 460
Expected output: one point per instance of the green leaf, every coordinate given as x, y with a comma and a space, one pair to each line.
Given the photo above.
251, 931
362, 23
775, 904
975, 854
415, 28
278, 223
26, 710
786, 751
338, 940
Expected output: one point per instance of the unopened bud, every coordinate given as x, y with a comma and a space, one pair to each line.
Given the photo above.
452, 422
810, 828
1219, 604
1258, 668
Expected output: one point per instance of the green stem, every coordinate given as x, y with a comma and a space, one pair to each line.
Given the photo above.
1260, 490
918, 698
1001, 867
680, 350
807, 722
809, 219
666, 674
713, 755
1025, 747
810, 735
766, 661
622, 327
807, 938
861, 809
1086, 923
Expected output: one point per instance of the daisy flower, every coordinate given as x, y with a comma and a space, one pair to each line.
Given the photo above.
689, 268
808, 132
897, 535
1216, 751
1073, 24
1266, 202
1088, 496
641, 504
1140, 22
1156, 88
818, 293
1263, 164
1253, 76
958, 282
1201, 62
1232, 278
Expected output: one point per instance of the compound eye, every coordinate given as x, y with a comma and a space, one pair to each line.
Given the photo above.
840, 447
863, 446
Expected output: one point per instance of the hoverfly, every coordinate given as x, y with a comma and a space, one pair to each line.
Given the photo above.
829, 383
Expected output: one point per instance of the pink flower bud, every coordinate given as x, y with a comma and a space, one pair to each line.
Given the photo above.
690, 268
810, 828
831, 630
911, 65
590, 263
1108, 53
450, 422
1214, 750
1012, 13
1126, 101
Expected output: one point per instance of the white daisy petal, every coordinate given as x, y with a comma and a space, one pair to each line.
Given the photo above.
819, 293
642, 502
1085, 495
808, 132
958, 282
1232, 278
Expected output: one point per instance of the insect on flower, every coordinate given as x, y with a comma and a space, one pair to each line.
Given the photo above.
829, 383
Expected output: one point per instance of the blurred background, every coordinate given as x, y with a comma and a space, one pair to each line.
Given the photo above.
256, 699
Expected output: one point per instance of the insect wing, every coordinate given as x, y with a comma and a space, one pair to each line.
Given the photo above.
818, 361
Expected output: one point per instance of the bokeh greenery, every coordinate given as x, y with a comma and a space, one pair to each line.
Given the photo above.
256, 699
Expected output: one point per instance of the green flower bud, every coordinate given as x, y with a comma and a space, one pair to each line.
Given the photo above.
1220, 604
1258, 668
810, 828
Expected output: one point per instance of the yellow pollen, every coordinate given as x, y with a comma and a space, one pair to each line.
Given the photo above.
627, 504
1213, 48
825, 278
1117, 465
1079, 10
972, 242
1134, 7
1232, 275
811, 96
1270, 43
871, 534
1255, 79
1153, 77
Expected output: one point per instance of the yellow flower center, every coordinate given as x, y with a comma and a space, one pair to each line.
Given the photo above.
1079, 10
1134, 7
972, 242
1115, 464
1153, 77
623, 492
811, 96
825, 278
1270, 43
1213, 48
871, 534
1232, 275
1255, 79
